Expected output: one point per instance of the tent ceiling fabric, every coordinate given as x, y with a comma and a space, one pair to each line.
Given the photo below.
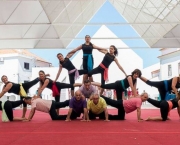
43, 23
55, 23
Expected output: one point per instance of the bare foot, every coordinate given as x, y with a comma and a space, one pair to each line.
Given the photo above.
147, 119
168, 118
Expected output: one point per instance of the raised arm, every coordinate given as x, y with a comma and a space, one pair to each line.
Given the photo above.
103, 51
96, 84
119, 66
77, 84
76, 49
98, 48
71, 53
46, 82
6, 89
173, 86
59, 72
131, 85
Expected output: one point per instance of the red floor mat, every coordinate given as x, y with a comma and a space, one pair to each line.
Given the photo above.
41, 130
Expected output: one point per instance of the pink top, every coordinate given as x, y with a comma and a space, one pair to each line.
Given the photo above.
41, 105
132, 104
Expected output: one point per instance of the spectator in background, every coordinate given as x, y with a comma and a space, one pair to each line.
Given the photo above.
69, 93
144, 101
137, 91
104, 92
125, 96
37, 93
108, 93
98, 90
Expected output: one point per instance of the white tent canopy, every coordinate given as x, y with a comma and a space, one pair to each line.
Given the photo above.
55, 23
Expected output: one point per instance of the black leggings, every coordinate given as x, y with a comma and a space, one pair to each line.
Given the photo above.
9, 105
57, 105
93, 116
74, 115
163, 105
62, 86
98, 70
72, 77
160, 86
117, 104
27, 86
117, 86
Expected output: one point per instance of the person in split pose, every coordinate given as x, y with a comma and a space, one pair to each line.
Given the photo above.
121, 85
54, 86
18, 89
73, 72
103, 67
126, 106
165, 108
88, 61
164, 87
7, 110
47, 106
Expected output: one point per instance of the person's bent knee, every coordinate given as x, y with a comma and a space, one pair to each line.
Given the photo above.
102, 86
148, 82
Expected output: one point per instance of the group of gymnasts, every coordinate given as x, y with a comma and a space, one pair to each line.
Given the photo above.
86, 100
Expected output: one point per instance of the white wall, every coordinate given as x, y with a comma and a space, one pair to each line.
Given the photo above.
173, 61
168, 50
24, 74
41, 64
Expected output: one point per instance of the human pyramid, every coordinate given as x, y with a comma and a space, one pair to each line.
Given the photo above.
86, 100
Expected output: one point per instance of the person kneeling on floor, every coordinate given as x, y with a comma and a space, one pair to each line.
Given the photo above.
47, 106
126, 106
97, 108
77, 105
